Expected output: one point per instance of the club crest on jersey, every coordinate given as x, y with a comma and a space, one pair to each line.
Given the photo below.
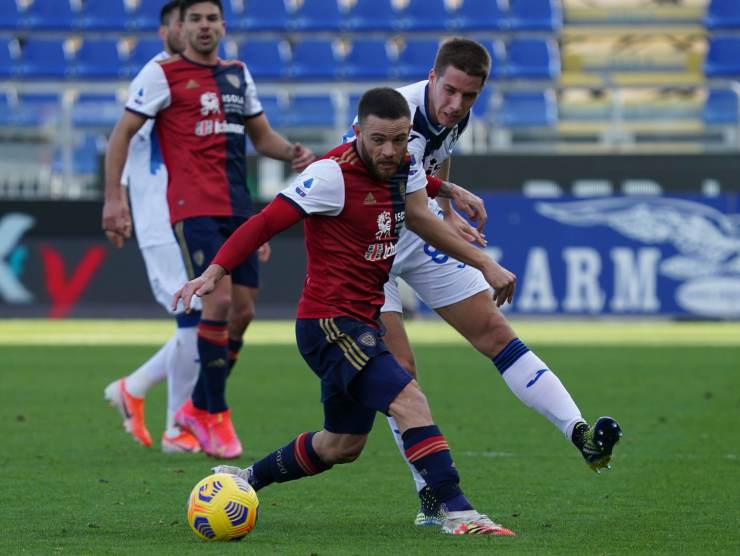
384, 225
234, 81
367, 339
209, 104
199, 257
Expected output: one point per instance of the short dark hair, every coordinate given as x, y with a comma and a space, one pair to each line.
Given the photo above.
185, 4
467, 55
383, 102
167, 9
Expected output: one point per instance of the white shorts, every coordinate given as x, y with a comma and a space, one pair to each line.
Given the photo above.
166, 272
437, 279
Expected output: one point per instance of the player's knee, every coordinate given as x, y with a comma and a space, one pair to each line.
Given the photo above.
493, 335
244, 314
408, 363
411, 406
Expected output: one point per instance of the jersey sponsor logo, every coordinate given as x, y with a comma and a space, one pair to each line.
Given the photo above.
369, 199
192, 84
380, 251
210, 127
384, 225
233, 103
209, 104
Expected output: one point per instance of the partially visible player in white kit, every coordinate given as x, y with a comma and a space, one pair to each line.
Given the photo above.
440, 109
145, 176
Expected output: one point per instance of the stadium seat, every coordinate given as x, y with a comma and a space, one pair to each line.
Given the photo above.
263, 58
370, 15
482, 104
48, 15
86, 156
98, 59
367, 60
535, 58
313, 59
104, 15
479, 15
722, 57
96, 111
316, 15
416, 59
265, 15
497, 51
311, 111
424, 15
143, 51
721, 107
9, 16
535, 15
723, 14
520, 109
275, 109
42, 58
34, 110
6, 59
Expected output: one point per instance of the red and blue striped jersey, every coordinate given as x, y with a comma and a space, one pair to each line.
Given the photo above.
199, 113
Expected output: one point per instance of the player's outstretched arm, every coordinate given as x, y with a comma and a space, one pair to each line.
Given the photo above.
116, 221
426, 225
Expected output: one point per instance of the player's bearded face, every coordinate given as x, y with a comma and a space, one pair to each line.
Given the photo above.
452, 95
174, 37
382, 144
203, 27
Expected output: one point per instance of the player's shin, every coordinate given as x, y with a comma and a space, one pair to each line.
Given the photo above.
530, 379
213, 352
418, 479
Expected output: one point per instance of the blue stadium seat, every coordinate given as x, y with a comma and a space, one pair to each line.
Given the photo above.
6, 60
48, 15
9, 16
521, 109
483, 104
275, 109
311, 111
316, 15
416, 59
98, 59
96, 111
723, 14
721, 108
368, 60
263, 59
104, 15
86, 156
535, 58
722, 57
265, 15
370, 15
34, 110
42, 59
146, 16
424, 15
313, 59
497, 51
143, 51
479, 15
535, 15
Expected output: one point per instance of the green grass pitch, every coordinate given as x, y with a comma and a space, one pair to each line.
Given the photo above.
75, 483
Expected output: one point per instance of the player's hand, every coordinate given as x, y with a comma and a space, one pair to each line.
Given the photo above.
502, 281
200, 286
470, 204
116, 221
263, 252
302, 157
463, 229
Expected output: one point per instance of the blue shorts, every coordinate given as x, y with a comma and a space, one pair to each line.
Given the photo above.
358, 374
201, 237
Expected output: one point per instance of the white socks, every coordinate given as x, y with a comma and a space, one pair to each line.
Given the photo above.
152, 372
420, 483
183, 366
538, 388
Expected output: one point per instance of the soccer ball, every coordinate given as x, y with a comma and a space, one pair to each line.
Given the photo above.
222, 507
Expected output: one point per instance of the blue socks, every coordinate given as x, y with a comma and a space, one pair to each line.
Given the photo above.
293, 461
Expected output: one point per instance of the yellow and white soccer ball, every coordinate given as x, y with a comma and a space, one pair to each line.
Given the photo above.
222, 507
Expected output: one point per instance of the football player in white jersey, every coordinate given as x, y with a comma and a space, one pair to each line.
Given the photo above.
145, 176
440, 108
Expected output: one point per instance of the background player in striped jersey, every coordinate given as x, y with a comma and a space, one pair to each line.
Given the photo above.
354, 202
202, 107
146, 179
440, 111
